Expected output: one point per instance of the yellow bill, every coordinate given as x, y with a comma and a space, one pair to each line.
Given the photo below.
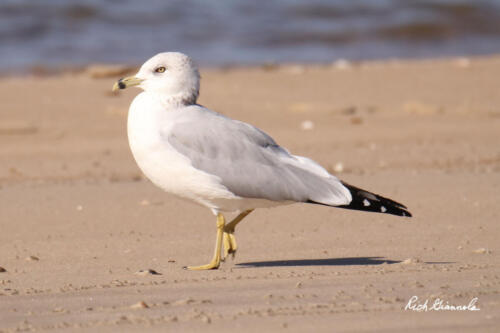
126, 82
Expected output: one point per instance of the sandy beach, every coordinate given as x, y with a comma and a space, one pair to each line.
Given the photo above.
87, 244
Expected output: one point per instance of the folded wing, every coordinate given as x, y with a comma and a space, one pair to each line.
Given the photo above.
248, 162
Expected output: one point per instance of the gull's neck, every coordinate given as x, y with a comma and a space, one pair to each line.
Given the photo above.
176, 100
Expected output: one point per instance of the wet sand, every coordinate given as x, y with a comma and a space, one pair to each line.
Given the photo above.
80, 226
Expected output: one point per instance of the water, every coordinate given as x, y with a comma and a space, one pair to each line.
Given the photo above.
64, 32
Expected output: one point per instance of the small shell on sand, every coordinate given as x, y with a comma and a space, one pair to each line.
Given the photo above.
295, 69
307, 125
338, 167
414, 107
300, 107
184, 301
59, 309
342, 64
32, 258
462, 62
145, 272
139, 305
482, 250
411, 261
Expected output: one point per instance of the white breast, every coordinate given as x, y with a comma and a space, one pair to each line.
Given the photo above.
164, 166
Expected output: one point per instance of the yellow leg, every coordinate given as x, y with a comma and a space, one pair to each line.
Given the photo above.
230, 245
215, 262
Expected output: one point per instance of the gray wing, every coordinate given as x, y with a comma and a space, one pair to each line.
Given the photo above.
249, 162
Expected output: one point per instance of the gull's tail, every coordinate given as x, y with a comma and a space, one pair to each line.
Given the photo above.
371, 202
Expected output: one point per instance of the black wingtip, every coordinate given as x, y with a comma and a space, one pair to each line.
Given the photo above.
371, 202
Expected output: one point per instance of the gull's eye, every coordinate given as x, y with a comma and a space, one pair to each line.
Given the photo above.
160, 69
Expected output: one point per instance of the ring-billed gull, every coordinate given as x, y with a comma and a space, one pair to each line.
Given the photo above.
221, 163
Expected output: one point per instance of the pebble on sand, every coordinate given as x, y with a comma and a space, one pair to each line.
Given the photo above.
32, 258
356, 120
139, 305
482, 250
2, 270
145, 272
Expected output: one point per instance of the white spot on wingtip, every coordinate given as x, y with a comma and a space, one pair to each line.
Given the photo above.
383, 209
366, 203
